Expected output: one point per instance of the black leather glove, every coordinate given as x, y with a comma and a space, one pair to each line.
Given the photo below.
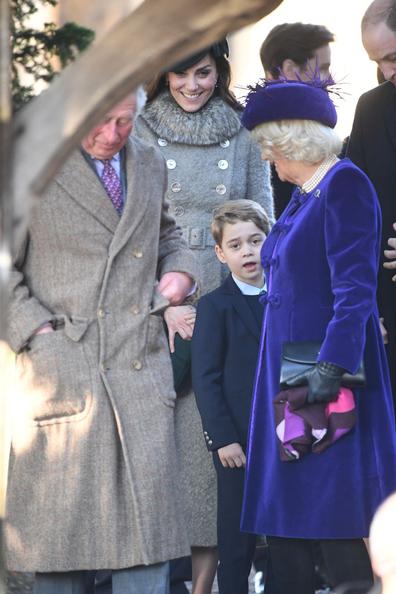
324, 381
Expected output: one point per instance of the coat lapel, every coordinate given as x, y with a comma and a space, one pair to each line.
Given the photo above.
138, 177
240, 305
81, 182
390, 112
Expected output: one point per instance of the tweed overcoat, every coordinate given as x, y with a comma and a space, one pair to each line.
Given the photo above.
93, 477
211, 159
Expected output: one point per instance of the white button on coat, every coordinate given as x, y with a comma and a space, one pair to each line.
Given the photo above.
176, 187
178, 211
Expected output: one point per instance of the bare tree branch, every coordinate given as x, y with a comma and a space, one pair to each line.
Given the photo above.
151, 39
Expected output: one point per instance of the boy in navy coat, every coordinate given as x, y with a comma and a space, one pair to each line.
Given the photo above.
224, 351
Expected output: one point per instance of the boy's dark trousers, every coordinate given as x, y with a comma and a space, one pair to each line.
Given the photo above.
235, 548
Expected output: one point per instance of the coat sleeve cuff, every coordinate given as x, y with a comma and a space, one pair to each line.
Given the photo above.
23, 324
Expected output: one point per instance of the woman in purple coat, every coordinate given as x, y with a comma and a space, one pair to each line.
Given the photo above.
320, 261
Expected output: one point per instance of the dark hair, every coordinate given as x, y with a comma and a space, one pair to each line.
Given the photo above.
293, 41
222, 89
380, 12
238, 210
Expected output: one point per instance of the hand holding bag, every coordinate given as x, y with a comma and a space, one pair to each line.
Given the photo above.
298, 357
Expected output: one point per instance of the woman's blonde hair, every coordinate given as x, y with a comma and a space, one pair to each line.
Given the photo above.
305, 141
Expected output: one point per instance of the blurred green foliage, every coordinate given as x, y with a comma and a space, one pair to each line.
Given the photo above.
34, 50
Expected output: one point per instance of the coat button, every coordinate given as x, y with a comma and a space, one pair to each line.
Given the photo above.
137, 365
135, 309
137, 254
162, 142
178, 211
176, 187
223, 164
103, 368
207, 437
171, 163
221, 189
210, 442
205, 432
225, 143
101, 313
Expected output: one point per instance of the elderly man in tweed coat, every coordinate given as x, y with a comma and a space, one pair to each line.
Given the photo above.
93, 478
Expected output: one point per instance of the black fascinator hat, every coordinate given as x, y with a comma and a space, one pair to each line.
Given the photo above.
217, 49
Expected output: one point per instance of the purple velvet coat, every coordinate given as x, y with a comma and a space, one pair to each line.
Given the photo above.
321, 262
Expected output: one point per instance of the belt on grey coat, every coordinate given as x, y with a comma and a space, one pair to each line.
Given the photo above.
198, 238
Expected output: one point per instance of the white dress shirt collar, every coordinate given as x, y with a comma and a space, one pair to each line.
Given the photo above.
115, 161
248, 289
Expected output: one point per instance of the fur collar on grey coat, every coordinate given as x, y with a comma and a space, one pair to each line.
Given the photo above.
214, 122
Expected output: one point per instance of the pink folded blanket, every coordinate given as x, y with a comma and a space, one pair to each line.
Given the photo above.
302, 427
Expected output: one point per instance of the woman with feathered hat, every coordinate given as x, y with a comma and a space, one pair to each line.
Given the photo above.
320, 262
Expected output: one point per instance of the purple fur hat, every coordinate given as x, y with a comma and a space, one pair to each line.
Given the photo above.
287, 99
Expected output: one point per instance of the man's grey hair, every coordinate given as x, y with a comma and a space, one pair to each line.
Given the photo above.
380, 11
141, 98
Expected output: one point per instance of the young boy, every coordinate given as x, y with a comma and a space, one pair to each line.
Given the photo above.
224, 351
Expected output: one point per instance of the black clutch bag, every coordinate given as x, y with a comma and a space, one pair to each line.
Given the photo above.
298, 357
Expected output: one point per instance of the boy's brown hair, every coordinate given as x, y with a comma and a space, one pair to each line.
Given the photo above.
238, 210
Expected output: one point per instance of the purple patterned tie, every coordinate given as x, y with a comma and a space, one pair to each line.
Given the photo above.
112, 185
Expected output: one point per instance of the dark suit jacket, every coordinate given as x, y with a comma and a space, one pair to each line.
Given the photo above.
282, 192
372, 147
224, 352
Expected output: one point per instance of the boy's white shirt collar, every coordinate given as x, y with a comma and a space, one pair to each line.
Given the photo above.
249, 289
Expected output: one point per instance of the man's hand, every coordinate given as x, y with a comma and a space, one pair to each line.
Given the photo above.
391, 254
175, 318
232, 455
384, 331
175, 286
190, 317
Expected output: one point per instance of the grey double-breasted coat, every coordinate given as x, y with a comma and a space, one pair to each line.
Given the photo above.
211, 159
93, 477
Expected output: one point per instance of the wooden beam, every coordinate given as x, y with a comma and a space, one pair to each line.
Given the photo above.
155, 36
5, 257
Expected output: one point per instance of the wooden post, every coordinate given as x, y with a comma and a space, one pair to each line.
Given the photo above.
5, 251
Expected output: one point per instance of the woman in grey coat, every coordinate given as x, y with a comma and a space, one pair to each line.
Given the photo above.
194, 118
